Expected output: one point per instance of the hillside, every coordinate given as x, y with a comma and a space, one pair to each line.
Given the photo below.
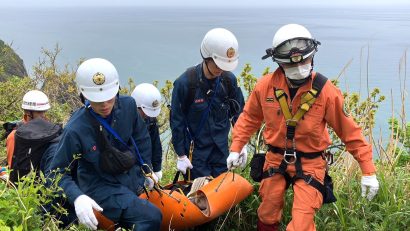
10, 63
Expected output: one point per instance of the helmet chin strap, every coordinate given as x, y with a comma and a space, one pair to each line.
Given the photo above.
209, 71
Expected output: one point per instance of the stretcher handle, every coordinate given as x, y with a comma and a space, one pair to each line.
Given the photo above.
177, 177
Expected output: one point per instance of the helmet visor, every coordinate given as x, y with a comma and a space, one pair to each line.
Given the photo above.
224, 63
151, 111
295, 50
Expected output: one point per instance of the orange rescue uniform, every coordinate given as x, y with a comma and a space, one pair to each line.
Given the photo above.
10, 147
311, 136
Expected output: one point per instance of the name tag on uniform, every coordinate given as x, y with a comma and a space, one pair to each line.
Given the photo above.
199, 100
270, 99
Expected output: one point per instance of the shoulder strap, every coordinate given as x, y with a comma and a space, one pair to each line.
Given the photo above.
318, 83
227, 84
307, 99
306, 102
192, 86
109, 129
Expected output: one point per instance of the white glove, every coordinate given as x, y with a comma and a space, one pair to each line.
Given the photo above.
243, 156
84, 206
183, 163
372, 184
3, 174
4, 177
159, 175
232, 161
235, 159
149, 182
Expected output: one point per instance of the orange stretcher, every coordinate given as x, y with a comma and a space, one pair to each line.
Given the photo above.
220, 195
180, 212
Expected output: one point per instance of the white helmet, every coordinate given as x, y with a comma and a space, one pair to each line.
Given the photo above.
148, 99
35, 101
97, 79
221, 45
292, 43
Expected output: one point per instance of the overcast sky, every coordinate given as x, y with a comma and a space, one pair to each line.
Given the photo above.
208, 3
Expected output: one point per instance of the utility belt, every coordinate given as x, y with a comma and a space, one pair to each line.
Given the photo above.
289, 154
293, 157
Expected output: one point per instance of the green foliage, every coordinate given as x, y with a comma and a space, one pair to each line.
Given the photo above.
401, 148
58, 84
12, 92
10, 63
21, 205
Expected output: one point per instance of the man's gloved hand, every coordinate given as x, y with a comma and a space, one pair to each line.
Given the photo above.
3, 174
183, 163
232, 161
84, 206
371, 183
159, 175
149, 182
235, 159
4, 177
243, 156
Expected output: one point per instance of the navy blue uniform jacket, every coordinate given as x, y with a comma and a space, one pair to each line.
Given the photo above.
216, 128
79, 137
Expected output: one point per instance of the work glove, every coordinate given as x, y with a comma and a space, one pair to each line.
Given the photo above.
371, 183
4, 177
150, 182
235, 159
84, 206
159, 175
243, 156
183, 163
3, 174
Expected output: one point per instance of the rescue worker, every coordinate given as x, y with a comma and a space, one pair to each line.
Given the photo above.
114, 149
148, 100
296, 147
205, 101
35, 105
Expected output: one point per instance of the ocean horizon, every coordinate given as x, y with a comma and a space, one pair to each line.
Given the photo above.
154, 43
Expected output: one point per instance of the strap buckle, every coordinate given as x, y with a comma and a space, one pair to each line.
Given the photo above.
271, 172
328, 157
290, 157
291, 122
147, 172
308, 180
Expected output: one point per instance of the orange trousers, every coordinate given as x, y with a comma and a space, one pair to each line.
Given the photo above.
306, 201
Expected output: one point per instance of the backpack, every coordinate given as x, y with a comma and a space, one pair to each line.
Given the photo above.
9, 127
194, 84
31, 140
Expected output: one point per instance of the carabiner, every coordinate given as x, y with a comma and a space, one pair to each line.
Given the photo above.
291, 155
147, 171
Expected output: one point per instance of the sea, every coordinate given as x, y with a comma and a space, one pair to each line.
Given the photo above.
364, 47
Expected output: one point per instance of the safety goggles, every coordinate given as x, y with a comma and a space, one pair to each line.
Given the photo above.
295, 50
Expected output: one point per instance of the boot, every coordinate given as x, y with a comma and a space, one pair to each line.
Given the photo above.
264, 227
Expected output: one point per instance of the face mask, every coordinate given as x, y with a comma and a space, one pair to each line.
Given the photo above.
299, 72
